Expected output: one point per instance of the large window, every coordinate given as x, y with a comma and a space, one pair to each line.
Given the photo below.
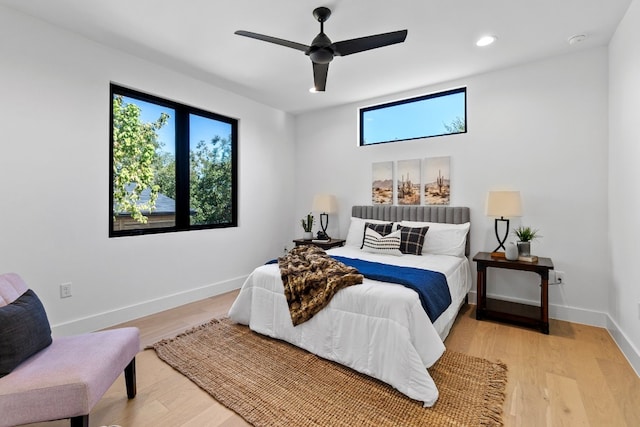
436, 114
172, 167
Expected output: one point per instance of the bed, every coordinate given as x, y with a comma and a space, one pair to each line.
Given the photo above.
376, 328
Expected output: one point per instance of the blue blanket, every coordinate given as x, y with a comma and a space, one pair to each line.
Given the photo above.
431, 286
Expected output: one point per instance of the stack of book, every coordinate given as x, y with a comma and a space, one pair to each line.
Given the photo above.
501, 255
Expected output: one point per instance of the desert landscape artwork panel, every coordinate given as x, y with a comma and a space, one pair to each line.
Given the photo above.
437, 182
408, 182
382, 183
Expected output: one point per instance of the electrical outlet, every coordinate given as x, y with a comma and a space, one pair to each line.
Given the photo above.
65, 290
560, 277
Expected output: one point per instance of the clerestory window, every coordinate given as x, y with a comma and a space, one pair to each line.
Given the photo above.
436, 114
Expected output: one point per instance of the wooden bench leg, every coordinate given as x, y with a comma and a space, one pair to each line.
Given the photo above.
130, 378
81, 421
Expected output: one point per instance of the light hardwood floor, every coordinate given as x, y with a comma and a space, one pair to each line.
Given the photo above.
576, 376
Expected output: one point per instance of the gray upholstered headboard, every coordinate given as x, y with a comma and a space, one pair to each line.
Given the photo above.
444, 214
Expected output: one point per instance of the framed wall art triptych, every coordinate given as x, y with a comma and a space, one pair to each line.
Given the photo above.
412, 182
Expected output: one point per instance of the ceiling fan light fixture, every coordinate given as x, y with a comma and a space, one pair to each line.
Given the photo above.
314, 89
322, 50
486, 41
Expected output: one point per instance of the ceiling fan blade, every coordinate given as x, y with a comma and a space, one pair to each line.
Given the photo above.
320, 76
281, 42
347, 47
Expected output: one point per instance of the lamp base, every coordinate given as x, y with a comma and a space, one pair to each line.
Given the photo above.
324, 223
504, 238
322, 236
498, 255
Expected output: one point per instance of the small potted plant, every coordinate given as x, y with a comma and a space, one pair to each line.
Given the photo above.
307, 225
525, 235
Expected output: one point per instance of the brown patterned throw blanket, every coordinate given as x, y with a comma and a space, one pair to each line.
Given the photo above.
311, 278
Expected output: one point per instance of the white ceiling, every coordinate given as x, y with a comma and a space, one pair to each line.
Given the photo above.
196, 37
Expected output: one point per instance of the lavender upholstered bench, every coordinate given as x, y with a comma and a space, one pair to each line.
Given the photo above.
67, 378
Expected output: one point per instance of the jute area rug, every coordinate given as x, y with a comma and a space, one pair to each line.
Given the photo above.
272, 383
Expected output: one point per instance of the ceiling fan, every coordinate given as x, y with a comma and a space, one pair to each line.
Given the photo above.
322, 50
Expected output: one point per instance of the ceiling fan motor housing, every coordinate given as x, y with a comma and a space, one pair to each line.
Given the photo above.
324, 55
320, 51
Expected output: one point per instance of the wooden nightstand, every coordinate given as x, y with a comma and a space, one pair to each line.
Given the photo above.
521, 314
333, 243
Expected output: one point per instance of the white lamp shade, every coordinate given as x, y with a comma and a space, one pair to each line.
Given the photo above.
504, 204
325, 203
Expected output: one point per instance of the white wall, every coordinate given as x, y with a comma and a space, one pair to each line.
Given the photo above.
624, 176
54, 171
540, 128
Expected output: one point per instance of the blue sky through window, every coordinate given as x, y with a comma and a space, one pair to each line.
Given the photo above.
413, 119
200, 128
205, 129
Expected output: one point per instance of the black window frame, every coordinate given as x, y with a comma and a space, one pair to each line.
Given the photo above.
363, 110
182, 200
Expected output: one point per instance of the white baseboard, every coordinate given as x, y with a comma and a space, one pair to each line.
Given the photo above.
585, 317
559, 312
124, 314
628, 349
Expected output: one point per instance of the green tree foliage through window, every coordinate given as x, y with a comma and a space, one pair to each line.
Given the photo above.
210, 183
134, 159
165, 170
457, 125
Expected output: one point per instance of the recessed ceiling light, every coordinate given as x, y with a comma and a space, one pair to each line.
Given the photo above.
486, 41
312, 89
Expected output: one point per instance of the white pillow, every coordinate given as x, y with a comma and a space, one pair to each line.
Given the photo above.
378, 244
443, 239
356, 231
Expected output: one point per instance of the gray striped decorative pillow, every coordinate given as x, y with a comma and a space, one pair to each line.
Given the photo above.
382, 228
378, 244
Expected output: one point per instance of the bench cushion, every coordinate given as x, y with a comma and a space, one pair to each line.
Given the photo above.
67, 378
24, 330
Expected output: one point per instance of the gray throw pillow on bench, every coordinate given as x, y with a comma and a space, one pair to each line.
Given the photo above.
24, 331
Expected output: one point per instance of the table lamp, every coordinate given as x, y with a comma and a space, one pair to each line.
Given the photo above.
326, 204
503, 205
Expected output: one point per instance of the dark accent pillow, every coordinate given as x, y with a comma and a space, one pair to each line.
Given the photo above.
382, 229
412, 239
24, 331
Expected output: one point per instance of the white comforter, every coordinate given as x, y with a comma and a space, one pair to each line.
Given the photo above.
379, 329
